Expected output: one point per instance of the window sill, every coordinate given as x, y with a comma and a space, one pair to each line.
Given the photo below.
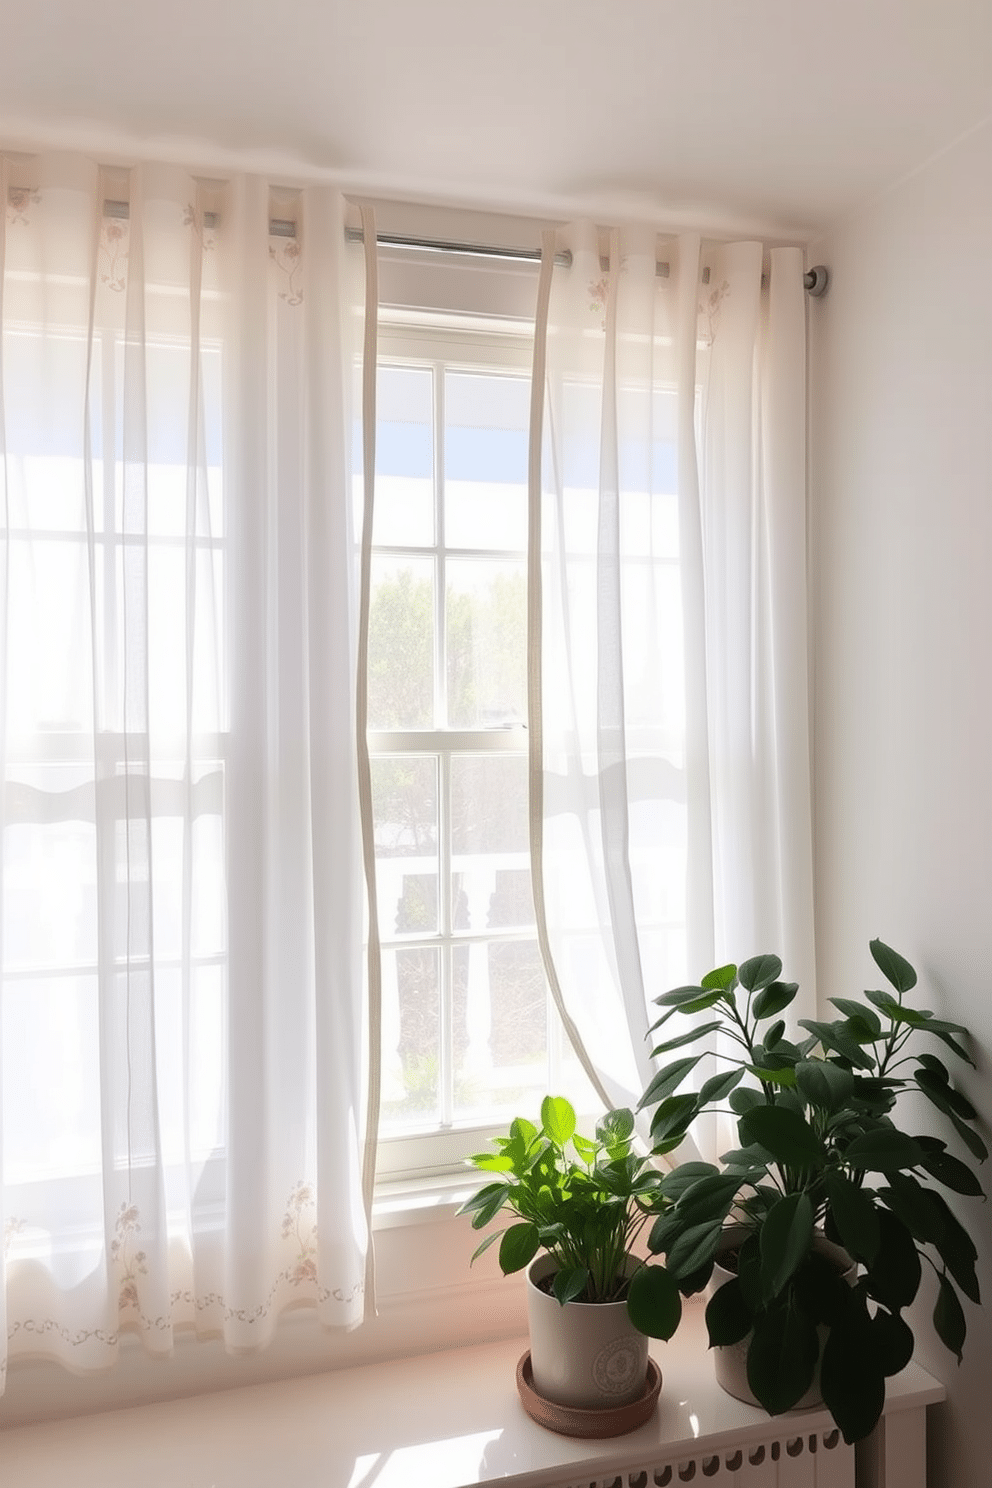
413, 1201
444, 1420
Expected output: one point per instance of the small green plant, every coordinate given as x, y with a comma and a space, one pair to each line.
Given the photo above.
584, 1201
820, 1147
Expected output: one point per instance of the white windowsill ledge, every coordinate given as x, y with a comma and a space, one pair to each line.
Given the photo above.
447, 1420
421, 1201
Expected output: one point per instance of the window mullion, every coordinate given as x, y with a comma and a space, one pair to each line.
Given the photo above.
440, 627
446, 1079
446, 1071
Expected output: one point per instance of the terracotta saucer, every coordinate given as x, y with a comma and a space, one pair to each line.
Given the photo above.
573, 1420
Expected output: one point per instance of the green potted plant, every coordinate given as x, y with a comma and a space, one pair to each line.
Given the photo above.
827, 1154
578, 1205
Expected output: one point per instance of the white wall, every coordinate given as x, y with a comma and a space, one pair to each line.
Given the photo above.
901, 455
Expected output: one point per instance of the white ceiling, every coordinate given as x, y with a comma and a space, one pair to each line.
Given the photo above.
784, 114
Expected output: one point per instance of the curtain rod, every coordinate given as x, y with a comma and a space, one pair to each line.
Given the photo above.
815, 280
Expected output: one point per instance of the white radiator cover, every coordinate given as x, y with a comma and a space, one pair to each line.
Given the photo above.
817, 1460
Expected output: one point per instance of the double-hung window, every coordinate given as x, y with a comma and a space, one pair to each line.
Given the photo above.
470, 1036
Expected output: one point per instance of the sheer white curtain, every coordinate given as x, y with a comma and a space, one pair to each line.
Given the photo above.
670, 762
182, 1006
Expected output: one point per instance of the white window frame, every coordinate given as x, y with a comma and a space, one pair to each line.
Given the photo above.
426, 1160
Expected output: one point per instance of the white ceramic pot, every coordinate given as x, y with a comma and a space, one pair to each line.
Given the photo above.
586, 1354
730, 1359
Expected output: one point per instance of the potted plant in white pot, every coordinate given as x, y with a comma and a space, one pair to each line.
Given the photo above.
579, 1205
825, 1160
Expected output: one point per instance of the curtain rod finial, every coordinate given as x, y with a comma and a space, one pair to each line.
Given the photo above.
816, 280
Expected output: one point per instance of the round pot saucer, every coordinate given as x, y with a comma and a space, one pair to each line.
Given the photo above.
573, 1420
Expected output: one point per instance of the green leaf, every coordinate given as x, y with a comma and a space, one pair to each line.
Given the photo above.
668, 1080
944, 1096
728, 1317
941, 1025
915, 1017
675, 1183
587, 1150
936, 1067
953, 1174
874, 1096
721, 979
489, 1240
820, 1290
948, 1318
689, 1037
523, 1130
773, 998
758, 972
616, 1126
558, 1119
518, 1247
952, 1043
660, 1022
663, 1232
851, 1375
491, 1162
708, 1200
937, 1094
824, 1084
832, 1036
930, 1218
893, 1341
718, 1086
970, 1138
894, 1277
788, 1137
672, 1117
569, 1283
858, 1012
774, 1074
884, 1001
860, 1027
484, 1196
654, 1304
781, 1358
884, 1150
855, 1216
679, 995
774, 1034
488, 1211
693, 1247
749, 1270
745, 1098
753, 1159
785, 1239
618, 1176
696, 1281
895, 968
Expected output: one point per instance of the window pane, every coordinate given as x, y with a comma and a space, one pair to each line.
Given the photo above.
490, 842
51, 1063
411, 1038
401, 644
49, 681
486, 643
486, 422
404, 457
404, 806
502, 1070
49, 868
